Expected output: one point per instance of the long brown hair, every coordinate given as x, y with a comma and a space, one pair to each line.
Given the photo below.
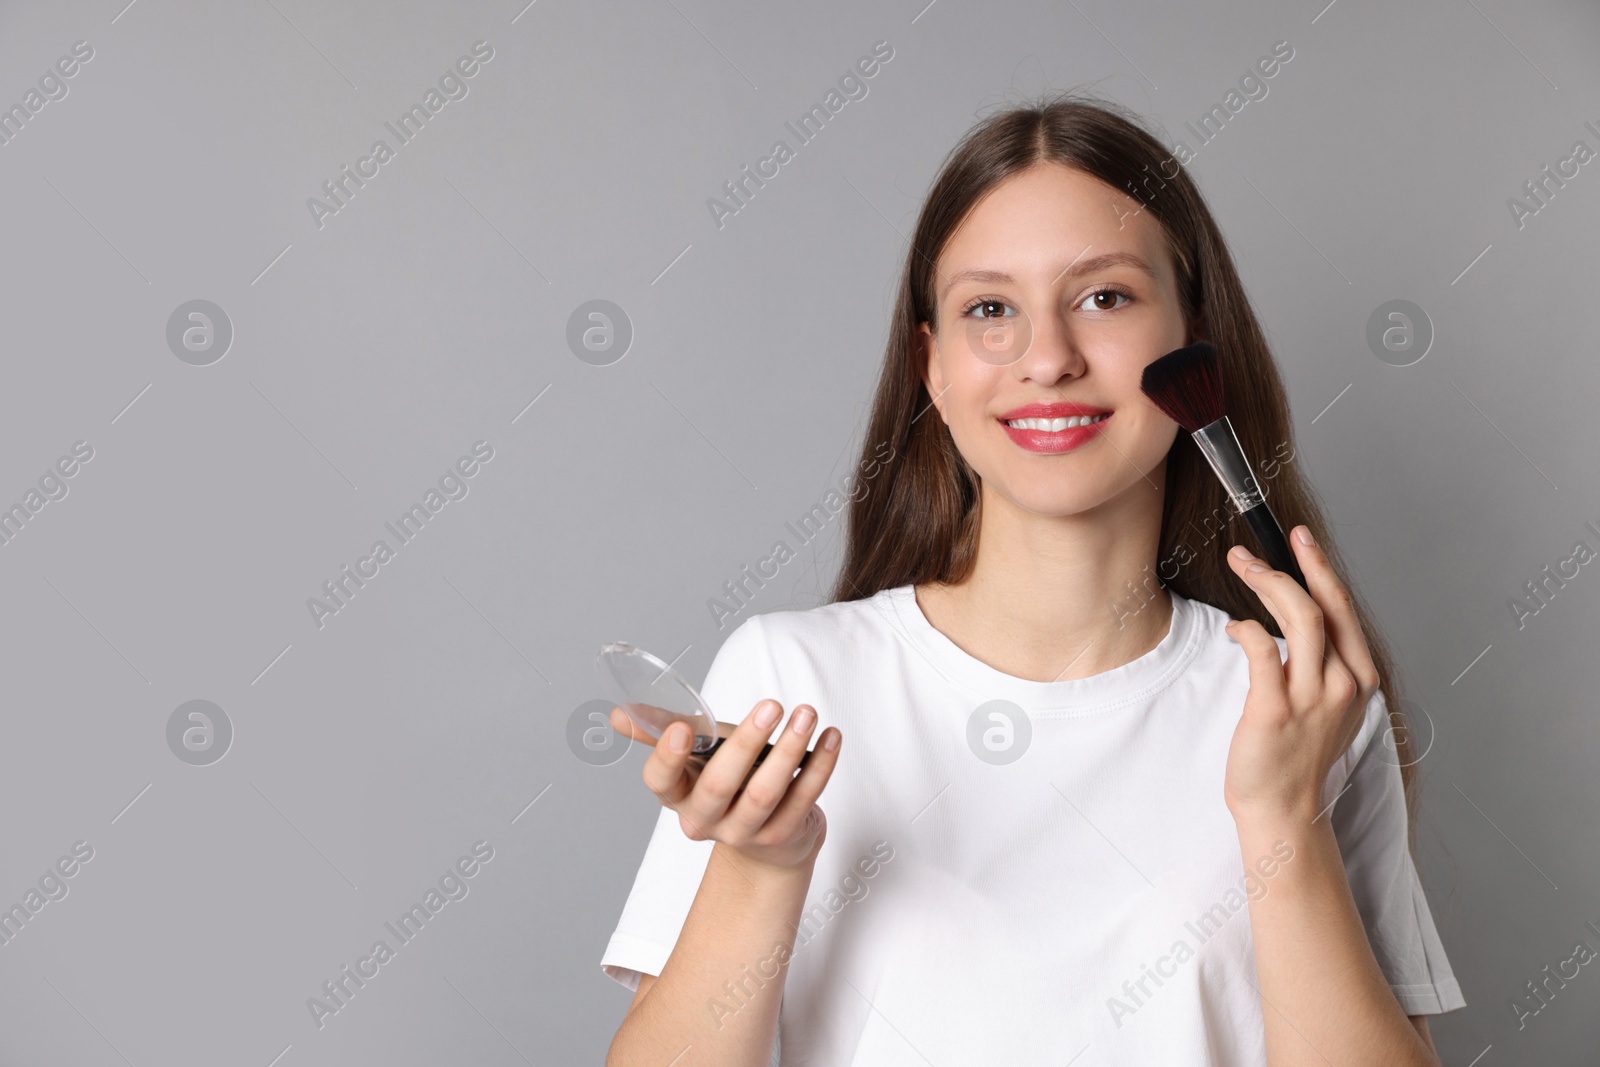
919, 520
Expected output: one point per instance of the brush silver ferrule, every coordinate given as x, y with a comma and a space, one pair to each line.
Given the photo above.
1222, 450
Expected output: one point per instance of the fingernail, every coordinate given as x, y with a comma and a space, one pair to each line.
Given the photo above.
679, 739
1240, 552
767, 714
1305, 536
831, 742
800, 722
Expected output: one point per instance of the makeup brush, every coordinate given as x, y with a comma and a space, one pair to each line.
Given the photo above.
1187, 384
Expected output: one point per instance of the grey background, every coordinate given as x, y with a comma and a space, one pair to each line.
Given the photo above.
426, 315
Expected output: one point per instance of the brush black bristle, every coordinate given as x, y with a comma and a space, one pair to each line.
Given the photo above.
1186, 383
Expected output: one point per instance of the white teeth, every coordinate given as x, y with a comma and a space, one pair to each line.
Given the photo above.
1055, 424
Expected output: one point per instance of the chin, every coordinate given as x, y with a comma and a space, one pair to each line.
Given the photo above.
1052, 501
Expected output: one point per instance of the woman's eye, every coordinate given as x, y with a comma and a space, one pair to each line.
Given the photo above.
1104, 299
986, 305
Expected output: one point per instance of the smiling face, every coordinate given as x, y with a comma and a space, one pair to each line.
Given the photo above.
1042, 300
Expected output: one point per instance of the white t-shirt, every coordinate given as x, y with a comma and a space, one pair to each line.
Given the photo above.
1087, 898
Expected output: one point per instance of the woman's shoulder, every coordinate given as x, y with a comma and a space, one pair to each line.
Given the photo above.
1214, 619
836, 623
1208, 617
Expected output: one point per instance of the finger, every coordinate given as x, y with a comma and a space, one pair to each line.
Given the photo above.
1339, 612
728, 768
623, 724
667, 770
1266, 668
795, 807
770, 781
1299, 619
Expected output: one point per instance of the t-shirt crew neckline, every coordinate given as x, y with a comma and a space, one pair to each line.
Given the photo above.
1135, 680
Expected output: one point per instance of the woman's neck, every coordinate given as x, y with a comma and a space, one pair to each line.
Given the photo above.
1055, 600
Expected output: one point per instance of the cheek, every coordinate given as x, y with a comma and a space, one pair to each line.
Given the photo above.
1150, 436
969, 426
971, 422
967, 392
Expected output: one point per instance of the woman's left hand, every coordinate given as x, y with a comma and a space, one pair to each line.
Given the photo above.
1301, 715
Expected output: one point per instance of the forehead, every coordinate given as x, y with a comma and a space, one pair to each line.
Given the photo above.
1036, 222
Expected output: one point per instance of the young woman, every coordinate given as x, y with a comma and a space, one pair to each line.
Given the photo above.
1114, 794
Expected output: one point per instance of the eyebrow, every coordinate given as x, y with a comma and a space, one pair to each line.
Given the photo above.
1087, 266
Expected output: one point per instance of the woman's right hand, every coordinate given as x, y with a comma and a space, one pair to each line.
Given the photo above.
772, 818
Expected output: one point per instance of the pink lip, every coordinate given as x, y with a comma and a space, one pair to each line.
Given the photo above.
1049, 442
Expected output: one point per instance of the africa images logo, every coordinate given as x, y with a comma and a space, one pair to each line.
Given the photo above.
452, 86
453, 885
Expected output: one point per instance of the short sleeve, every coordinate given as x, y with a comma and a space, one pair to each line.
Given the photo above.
669, 875
1369, 821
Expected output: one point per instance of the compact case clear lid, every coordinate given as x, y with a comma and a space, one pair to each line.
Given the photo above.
654, 695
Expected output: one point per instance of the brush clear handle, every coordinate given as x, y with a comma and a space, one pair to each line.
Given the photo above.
1220, 445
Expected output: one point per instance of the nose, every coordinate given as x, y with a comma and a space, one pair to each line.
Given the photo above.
1053, 351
